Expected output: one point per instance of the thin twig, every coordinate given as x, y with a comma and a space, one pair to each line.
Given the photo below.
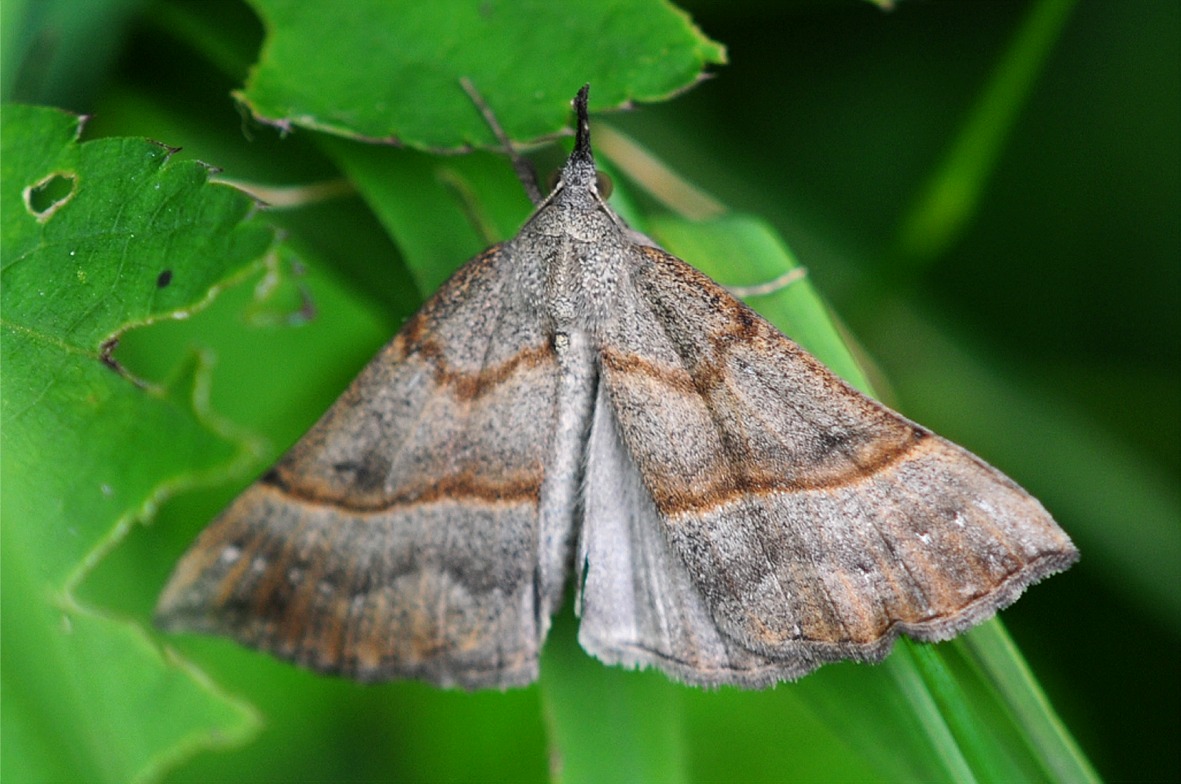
522, 167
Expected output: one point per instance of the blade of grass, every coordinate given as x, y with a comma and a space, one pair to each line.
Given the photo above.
608, 724
929, 712
950, 196
986, 743
991, 648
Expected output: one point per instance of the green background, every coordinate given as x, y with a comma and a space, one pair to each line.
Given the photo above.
987, 194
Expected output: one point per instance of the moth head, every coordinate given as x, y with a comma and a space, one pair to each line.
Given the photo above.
579, 172
603, 182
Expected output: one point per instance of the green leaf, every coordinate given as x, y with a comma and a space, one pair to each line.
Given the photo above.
383, 70
99, 238
439, 210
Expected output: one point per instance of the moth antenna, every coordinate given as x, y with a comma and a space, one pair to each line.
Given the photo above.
772, 286
582, 145
521, 167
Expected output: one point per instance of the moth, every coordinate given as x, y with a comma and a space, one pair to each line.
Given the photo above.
577, 398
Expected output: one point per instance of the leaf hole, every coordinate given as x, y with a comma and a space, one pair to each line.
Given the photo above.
50, 194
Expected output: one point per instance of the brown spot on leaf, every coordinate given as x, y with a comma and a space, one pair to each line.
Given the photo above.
107, 354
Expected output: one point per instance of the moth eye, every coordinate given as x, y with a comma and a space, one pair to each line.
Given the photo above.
603, 184
551, 182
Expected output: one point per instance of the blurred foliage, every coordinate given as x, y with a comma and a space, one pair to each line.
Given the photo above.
987, 193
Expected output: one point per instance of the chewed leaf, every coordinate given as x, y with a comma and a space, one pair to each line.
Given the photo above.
50, 194
98, 238
377, 72
166, 235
